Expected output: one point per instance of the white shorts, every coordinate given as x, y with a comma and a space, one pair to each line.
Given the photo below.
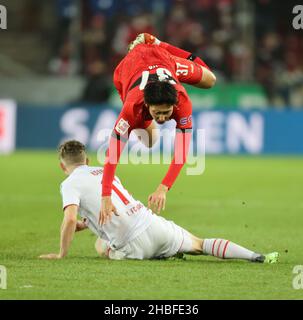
162, 239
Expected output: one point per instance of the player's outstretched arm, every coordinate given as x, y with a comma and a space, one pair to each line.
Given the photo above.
68, 228
116, 146
157, 200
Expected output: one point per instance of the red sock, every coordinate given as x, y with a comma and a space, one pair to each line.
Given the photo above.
183, 54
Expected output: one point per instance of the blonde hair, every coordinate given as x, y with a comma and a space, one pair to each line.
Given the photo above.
72, 152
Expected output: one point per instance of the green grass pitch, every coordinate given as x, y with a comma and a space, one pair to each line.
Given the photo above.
256, 202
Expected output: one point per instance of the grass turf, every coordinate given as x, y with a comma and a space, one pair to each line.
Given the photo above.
256, 202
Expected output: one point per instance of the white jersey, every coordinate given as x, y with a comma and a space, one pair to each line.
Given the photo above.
83, 188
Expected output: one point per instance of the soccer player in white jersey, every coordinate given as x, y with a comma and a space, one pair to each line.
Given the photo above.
132, 231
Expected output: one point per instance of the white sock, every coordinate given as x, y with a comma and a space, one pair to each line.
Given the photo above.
157, 42
225, 249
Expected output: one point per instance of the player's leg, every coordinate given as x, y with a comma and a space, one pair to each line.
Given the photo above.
223, 249
196, 71
197, 74
148, 136
194, 74
175, 51
104, 250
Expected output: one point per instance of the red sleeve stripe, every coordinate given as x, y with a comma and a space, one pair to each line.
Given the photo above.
227, 242
120, 195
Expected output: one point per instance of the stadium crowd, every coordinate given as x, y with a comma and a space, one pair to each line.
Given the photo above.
267, 52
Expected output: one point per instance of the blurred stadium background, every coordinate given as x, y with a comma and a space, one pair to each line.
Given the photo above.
56, 63
59, 55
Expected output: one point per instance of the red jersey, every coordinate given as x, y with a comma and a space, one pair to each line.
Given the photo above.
151, 63
142, 64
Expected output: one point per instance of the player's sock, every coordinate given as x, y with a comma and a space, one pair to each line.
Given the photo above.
182, 54
150, 39
225, 249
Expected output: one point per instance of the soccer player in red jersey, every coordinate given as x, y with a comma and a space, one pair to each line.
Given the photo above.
149, 81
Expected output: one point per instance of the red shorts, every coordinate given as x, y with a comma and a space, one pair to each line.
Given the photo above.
188, 71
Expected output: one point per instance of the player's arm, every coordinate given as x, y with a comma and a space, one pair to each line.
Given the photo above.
68, 229
117, 143
81, 225
157, 200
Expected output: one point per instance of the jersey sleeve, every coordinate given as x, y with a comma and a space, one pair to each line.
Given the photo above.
125, 122
182, 143
122, 129
183, 118
70, 195
117, 83
183, 113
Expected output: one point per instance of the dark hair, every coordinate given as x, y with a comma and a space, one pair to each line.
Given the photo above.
72, 152
160, 92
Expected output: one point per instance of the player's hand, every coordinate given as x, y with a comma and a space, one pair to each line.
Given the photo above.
81, 225
107, 210
157, 200
51, 256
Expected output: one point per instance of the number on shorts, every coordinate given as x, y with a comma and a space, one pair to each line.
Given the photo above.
182, 69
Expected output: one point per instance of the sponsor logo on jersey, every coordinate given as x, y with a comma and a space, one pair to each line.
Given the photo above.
122, 126
184, 121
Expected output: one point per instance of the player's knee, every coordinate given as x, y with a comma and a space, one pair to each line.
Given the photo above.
208, 80
211, 81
